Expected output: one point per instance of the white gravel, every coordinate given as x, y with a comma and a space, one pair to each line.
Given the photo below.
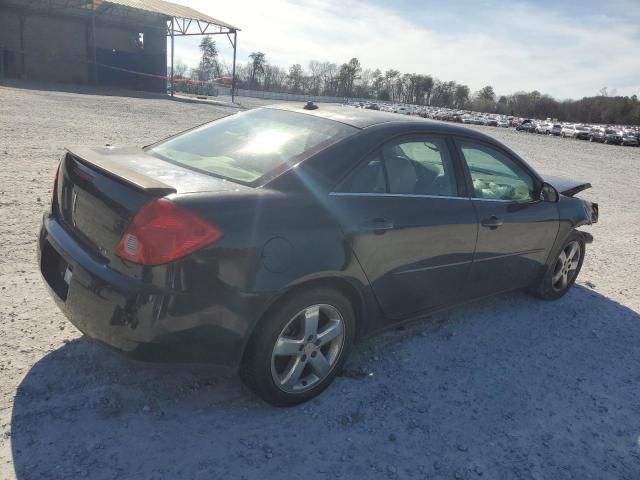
508, 388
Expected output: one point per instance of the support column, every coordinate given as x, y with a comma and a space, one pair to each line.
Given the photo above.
23, 67
172, 55
233, 74
93, 42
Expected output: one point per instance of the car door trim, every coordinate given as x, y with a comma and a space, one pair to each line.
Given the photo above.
408, 195
505, 255
433, 267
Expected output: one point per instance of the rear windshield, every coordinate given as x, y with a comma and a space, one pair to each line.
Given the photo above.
248, 145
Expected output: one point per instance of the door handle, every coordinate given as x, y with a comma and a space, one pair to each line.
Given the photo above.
492, 222
377, 226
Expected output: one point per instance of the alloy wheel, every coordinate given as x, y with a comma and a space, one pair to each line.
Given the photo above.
308, 348
566, 266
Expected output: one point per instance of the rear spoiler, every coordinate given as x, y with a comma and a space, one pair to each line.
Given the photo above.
566, 186
113, 162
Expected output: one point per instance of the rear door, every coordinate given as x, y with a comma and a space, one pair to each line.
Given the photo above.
411, 230
517, 229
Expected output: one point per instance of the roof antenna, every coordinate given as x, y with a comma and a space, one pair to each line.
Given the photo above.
310, 106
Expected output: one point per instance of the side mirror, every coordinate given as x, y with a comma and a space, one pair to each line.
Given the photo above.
548, 193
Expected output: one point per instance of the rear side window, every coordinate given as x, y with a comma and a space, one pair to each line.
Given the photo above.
416, 166
495, 176
368, 178
248, 145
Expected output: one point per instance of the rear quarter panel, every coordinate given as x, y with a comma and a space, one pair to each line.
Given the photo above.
272, 242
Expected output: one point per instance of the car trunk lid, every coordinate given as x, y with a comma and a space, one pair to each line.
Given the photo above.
101, 189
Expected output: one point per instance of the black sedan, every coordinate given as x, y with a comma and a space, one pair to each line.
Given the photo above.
612, 137
273, 239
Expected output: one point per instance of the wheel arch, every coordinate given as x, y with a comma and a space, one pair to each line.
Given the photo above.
351, 288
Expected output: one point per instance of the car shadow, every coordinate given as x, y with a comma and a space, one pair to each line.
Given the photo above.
510, 387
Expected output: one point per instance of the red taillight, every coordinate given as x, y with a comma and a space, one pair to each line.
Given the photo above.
162, 232
54, 196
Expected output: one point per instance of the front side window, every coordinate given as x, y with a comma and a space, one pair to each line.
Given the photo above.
495, 176
248, 145
416, 166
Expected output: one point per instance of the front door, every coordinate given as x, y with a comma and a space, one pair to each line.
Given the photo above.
410, 230
517, 229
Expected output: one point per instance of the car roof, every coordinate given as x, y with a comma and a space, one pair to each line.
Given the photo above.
361, 118
356, 117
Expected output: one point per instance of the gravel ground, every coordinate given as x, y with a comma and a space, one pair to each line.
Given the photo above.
508, 388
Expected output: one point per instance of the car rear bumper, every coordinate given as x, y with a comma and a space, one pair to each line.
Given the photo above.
135, 317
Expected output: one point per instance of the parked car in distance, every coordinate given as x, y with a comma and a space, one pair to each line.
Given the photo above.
568, 130
597, 134
629, 138
526, 126
611, 136
503, 123
581, 132
543, 128
271, 240
492, 121
556, 129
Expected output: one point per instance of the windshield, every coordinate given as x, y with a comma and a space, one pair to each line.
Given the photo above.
248, 145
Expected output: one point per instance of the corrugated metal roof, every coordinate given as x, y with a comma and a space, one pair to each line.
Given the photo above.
171, 10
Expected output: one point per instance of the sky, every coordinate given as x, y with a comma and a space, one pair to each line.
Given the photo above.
568, 49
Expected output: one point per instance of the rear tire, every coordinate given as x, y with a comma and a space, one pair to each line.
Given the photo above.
564, 269
287, 360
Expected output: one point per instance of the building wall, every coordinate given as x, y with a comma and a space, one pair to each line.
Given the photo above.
10, 58
119, 47
58, 48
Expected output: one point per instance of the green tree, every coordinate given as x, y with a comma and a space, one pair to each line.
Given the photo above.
427, 86
208, 68
347, 76
294, 78
461, 96
487, 94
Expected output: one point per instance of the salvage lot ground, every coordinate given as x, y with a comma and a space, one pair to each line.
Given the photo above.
510, 387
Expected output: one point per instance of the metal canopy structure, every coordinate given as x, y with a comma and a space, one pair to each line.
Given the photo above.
184, 21
180, 20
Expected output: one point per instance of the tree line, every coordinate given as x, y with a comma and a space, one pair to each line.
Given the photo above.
351, 80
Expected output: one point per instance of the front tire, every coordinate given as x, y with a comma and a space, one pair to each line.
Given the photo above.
298, 349
564, 270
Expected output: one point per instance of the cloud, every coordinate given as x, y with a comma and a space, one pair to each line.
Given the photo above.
512, 46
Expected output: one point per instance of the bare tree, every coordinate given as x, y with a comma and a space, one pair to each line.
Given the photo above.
316, 74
